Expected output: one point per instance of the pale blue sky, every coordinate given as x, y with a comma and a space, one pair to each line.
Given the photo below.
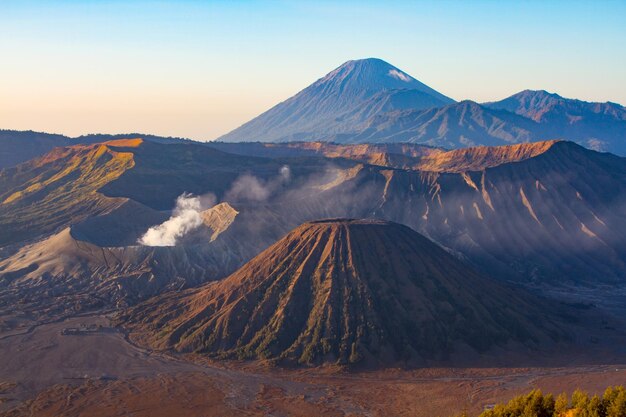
201, 68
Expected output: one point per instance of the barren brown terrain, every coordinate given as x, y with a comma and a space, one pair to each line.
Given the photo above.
86, 366
345, 291
512, 213
101, 374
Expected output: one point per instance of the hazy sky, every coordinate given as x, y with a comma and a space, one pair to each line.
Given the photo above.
201, 68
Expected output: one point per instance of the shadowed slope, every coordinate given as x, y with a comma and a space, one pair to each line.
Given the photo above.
456, 125
17, 147
346, 291
560, 215
547, 211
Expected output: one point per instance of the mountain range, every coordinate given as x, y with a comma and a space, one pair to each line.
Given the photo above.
371, 101
546, 215
367, 220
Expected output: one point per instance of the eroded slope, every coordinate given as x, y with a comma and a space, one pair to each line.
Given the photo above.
346, 291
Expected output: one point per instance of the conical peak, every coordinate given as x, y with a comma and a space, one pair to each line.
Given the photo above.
346, 291
354, 89
537, 93
340, 228
371, 74
377, 67
347, 221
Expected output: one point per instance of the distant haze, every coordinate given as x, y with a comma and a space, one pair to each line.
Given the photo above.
200, 69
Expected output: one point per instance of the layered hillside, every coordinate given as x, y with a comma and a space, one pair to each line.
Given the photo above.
72, 221
456, 125
599, 126
20, 146
396, 155
546, 214
347, 291
71, 184
480, 158
558, 216
53, 191
99, 262
338, 102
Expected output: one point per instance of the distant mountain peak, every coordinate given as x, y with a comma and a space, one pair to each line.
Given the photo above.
371, 75
529, 92
465, 103
376, 65
339, 102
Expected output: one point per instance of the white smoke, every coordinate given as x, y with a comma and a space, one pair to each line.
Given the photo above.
187, 215
285, 173
250, 188
185, 218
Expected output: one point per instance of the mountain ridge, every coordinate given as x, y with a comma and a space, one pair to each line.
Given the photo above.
401, 155
360, 102
599, 126
473, 200
18, 146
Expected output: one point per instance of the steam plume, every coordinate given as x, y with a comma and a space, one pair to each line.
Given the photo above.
250, 188
185, 218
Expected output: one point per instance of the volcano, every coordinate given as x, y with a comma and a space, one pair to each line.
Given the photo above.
344, 291
339, 102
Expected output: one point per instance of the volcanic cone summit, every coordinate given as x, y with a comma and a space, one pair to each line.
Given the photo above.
346, 291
